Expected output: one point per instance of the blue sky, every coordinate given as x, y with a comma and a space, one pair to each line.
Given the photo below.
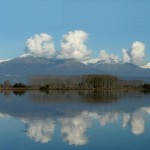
111, 24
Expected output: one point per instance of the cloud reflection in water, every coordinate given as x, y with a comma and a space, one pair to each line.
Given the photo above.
74, 128
40, 130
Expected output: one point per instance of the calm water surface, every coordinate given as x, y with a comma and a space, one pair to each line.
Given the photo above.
74, 120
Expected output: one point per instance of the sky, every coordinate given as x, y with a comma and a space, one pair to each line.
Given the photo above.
108, 25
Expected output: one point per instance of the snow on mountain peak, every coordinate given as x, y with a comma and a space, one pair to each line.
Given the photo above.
146, 66
25, 55
4, 60
102, 61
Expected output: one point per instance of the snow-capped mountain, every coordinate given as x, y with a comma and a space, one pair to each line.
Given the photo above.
3, 60
21, 68
101, 61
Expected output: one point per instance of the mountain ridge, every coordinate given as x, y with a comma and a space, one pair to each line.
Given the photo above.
20, 68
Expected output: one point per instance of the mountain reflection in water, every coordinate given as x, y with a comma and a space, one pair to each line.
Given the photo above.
75, 112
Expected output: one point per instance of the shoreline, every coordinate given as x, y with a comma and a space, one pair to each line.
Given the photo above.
73, 89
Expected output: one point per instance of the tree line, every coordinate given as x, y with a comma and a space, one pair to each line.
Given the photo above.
80, 82
83, 82
8, 85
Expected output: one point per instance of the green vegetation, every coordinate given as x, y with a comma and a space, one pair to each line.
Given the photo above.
19, 85
146, 86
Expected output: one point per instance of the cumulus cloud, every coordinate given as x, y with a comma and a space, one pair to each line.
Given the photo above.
73, 46
136, 54
91, 61
108, 58
103, 57
40, 45
126, 57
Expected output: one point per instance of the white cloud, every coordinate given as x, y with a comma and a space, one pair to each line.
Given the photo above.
126, 57
91, 61
104, 57
138, 53
73, 46
135, 55
108, 58
40, 45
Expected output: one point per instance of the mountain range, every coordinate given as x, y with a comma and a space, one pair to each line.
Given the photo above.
21, 68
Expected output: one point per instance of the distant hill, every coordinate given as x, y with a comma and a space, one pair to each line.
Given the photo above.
21, 68
123, 70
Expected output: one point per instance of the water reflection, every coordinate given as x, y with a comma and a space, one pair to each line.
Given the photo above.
41, 113
73, 129
53, 96
40, 130
7, 93
80, 96
136, 120
20, 93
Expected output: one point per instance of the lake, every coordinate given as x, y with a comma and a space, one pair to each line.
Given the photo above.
107, 120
